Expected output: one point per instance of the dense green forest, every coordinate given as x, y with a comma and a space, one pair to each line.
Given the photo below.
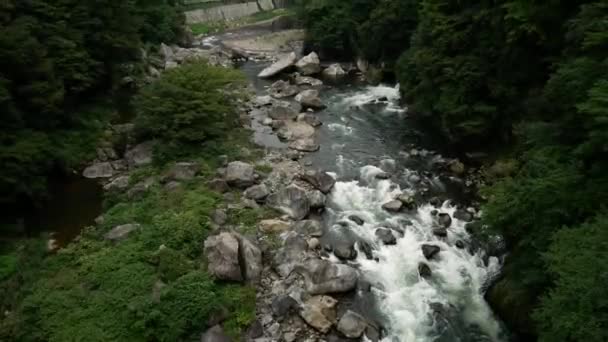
527, 77
61, 63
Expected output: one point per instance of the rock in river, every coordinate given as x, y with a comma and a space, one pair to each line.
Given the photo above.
291, 201
323, 276
310, 99
282, 64
309, 65
430, 251
393, 206
304, 145
321, 180
334, 71
351, 324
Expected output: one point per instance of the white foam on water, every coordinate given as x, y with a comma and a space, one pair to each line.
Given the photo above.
402, 296
342, 129
371, 94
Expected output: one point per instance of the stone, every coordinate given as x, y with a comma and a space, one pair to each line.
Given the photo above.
460, 244
424, 270
121, 232
307, 81
291, 201
386, 236
250, 257
281, 89
255, 330
334, 71
430, 251
273, 226
99, 170
463, 215
388, 165
440, 232
222, 253
140, 155
304, 145
219, 217
408, 201
282, 64
394, 206
383, 176
183, 171
172, 186
283, 305
351, 324
359, 221
309, 64
319, 312
289, 337
308, 228
310, 119
218, 185
444, 219
261, 101
457, 167
296, 130
288, 257
436, 202
215, 334
240, 175
317, 199
257, 193
321, 180
282, 113
165, 51
362, 64
310, 99
323, 276
372, 333
345, 250
118, 183
313, 243
366, 248
141, 188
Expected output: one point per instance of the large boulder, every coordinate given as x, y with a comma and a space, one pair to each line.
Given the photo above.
319, 312
281, 89
121, 232
250, 257
317, 199
393, 206
308, 228
99, 170
182, 171
257, 193
310, 99
334, 71
444, 219
351, 324
304, 145
273, 226
309, 65
282, 64
430, 251
345, 250
307, 81
222, 252
140, 154
310, 119
292, 130
323, 276
240, 175
288, 257
291, 201
386, 236
321, 180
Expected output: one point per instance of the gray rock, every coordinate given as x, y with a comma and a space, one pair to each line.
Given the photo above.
319, 312
261, 101
240, 175
219, 217
440, 231
273, 226
386, 236
99, 170
183, 171
317, 199
218, 185
424, 270
257, 193
310, 119
383, 176
430, 251
281, 89
288, 257
172, 186
308, 228
140, 154
366, 248
351, 324
444, 219
334, 71
307, 81
291, 130
222, 253
388, 165
250, 258
393, 206
282, 306
119, 183
141, 188
322, 276
121, 232
166, 52
282, 113
309, 65
463, 215
215, 334
304, 145
457, 167
310, 99
282, 64
345, 250
356, 219
255, 330
460, 244
291, 201
408, 201
321, 180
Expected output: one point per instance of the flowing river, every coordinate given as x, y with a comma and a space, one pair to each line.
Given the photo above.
361, 138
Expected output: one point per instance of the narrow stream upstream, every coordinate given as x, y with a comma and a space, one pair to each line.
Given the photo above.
360, 139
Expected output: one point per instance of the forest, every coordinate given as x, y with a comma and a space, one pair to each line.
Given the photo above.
528, 79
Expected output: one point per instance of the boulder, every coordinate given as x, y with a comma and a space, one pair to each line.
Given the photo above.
317, 199
323, 276
281, 89
257, 193
321, 180
366, 248
215, 334
308, 228
444, 219
309, 65
424, 270
166, 52
292, 130
261, 101
394, 206
99, 170
250, 258
345, 250
140, 154
304, 145
310, 119
121, 232
307, 81
141, 188
460, 244
362, 64
313, 243
255, 330
310, 99
351, 324
218, 185
383, 176
282, 64
386, 236
222, 253
280, 112
463, 215
273, 226
430, 251
457, 167
319, 312
182, 171
118, 183
288, 257
440, 231
388, 165
219, 217
283, 305
334, 71
291, 201
408, 201
239, 174
359, 221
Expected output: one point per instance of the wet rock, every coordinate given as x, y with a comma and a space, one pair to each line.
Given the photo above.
240, 175
393, 206
310, 99
321, 180
219, 217
319, 312
121, 232
307, 81
282, 113
440, 232
345, 250
296, 130
314, 243
310, 119
356, 219
386, 236
281, 89
304, 145
463, 215
334, 71
430, 251
99, 170
215, 334
408, 201
291, 201
273, 226
388, 165
222, 253
317, 199
261, 101
250, 259
457, 167
372, 333
366, 248
140, 154
460, 244
119, 183
255, 330
309, 65
257, 193
383, 176
182, 171
282, 306
351, 324
424, 270
218, 185
282, 64
436, 202
308, 228
434, 212
322, 276
444, 219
